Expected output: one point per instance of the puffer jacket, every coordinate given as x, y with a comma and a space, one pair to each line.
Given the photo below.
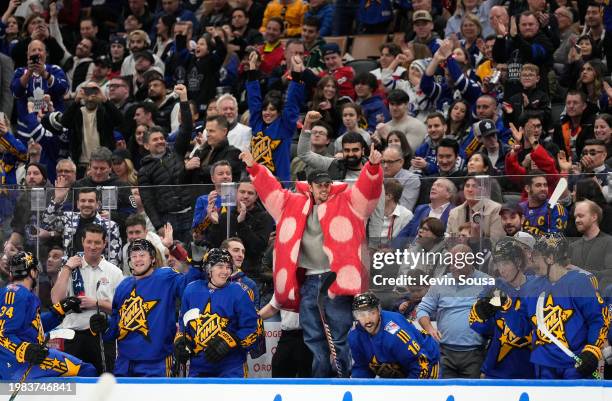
343, 223
158, 178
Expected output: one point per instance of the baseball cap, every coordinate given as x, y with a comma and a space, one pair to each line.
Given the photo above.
485, 127
421, 15
153, 74
319, 177
146, 54
104, 61
330, 48
117, 39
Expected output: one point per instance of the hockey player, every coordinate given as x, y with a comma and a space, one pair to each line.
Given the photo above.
508, 354
217, 341
144, 320
22, 327
386, 345
574, 313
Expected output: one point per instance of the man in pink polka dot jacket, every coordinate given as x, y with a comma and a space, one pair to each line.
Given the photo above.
320, 228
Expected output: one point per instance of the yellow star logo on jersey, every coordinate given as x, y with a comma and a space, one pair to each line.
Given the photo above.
206, 327
134, 312
262, 147
508, 340
555, 317
64, 368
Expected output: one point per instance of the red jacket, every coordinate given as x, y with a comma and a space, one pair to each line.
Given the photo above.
344, 77
271, 57
542, 159
343, 222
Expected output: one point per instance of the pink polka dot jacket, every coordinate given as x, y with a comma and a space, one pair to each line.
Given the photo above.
343, 220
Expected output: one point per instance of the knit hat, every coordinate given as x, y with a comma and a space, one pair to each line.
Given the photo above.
420, 64
41, 167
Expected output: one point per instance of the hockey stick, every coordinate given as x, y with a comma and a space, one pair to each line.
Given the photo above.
555, 196
66, 334
102, 353
191, 314
544, 330
327, 282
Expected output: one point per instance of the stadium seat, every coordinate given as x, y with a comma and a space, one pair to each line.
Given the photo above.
366, 46
365, 65
341, 41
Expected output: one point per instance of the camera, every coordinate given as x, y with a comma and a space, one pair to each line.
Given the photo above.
35, 59
88, 91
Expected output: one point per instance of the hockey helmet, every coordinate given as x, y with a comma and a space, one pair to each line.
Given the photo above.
365, 300
555, 245
509, 249
217, 255
21, 264
141, 245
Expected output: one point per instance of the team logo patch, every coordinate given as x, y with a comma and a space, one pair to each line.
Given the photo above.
134, 313
392, 327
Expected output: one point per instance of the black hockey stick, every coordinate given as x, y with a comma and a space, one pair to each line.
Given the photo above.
102, 353
329, 280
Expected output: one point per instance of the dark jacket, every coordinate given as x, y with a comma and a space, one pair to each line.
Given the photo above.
209, 156
337, 169
253, 231
107, 119
158, 178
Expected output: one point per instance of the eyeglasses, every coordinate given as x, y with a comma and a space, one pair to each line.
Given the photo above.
384, 162
591, 152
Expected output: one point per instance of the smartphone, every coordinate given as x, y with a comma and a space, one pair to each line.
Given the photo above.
88, 91
2, 117
35, 59
577, 47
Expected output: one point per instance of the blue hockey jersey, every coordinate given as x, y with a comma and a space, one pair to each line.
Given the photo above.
574, 313
271, 144
508, 354
144, 313
228, 309
398, 350
538, 221
20, 324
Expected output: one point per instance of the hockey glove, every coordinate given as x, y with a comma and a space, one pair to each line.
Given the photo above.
66, 305
387, 371
98, 323
182, 349
219, 346
484, 309
589, 363
31, 353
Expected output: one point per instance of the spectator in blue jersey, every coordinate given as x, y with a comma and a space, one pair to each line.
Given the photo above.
144, 349
273, 122
12, 152
384, 344
424, 162
323, 10
539, 218
462, 350
423, 26
31, 83
373, 107
508, 354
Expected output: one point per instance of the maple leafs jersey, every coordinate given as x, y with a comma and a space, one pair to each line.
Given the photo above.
508, 354
574, 313
398, 350
228, 309
21, 323
144, 313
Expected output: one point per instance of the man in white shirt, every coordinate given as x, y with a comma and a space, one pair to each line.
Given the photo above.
93, 280
396, 216
239, 135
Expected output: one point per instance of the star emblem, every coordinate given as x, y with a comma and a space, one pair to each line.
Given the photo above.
262, 147
206, 327
134, 312
555, 317
509, 341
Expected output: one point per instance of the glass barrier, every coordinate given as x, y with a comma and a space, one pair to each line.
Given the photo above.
424, 231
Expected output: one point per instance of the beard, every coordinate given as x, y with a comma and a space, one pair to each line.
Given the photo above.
353, 161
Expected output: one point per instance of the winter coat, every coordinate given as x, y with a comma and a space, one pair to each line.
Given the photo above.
343, 223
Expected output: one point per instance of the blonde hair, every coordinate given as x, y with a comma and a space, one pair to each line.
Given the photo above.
473, 19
